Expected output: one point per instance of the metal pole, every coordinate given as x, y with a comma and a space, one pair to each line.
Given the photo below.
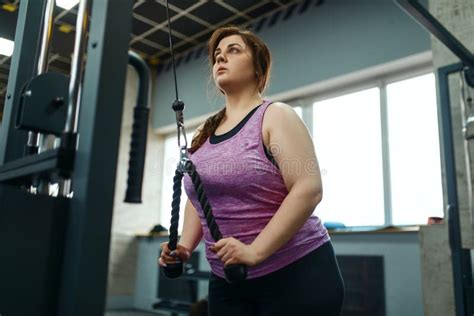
84, 271
429, 22
460, 257
46, 37
37, 142
77, 67
37, 139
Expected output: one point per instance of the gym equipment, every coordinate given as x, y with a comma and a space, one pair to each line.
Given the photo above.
35, 139
47, 106
461, 257
234, 273
55, 249
136, 164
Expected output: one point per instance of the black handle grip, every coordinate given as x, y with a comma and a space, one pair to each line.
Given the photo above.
172, 271
235, 273
136, 163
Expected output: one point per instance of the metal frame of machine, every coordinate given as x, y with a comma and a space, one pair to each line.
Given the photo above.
48, 279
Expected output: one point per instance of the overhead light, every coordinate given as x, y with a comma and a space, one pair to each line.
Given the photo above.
10, 7
66, 4
6, 47
65, 28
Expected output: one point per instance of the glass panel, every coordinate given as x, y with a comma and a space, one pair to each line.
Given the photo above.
347, 138
415, 164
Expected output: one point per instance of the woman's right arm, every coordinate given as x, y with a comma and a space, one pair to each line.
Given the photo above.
190, 237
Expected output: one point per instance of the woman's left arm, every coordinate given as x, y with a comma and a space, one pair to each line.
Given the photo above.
293, 150
292, 147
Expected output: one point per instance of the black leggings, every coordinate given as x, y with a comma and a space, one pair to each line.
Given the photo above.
311, 285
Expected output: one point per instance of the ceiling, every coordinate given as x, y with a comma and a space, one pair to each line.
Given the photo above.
192, 23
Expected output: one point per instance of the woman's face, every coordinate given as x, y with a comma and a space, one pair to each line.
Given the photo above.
233, 66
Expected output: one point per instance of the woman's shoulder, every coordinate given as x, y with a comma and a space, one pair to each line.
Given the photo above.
278, 111
278, 104
278, 115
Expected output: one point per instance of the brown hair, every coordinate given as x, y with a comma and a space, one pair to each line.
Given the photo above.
262, 65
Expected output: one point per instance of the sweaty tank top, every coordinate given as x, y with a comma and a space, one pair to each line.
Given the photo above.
245, 189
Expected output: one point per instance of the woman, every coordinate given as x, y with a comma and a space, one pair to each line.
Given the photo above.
258, 166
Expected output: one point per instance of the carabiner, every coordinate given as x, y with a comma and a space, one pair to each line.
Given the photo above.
181, 127
183, 159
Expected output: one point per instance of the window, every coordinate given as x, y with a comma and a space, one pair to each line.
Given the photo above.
361, 188
415, 166
346, 133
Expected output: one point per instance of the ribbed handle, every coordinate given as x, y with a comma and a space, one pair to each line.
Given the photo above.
174, 270
136, 163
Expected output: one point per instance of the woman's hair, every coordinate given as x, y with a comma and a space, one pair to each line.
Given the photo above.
262, 65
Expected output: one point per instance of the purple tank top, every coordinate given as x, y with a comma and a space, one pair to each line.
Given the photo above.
245, 189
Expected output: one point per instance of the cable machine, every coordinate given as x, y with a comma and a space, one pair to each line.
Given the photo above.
55, 244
